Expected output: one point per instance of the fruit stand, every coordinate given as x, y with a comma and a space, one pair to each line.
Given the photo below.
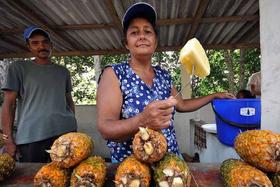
204, 174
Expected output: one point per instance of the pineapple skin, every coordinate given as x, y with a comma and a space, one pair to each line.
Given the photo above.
7, 166
80, 147
52, 174
93, 167
260, 148
158, 141
132, 166
172, 161
238, 173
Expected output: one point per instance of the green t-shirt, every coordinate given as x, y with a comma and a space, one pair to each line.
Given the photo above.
42, 110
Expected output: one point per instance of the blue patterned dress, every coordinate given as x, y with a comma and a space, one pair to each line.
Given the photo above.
136, 95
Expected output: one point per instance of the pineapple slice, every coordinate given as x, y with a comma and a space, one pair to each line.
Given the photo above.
148, 145
132, 173
260, 148
51, 175
193, 54
7, 166
70, 149
172, 171
237, 173
90, 172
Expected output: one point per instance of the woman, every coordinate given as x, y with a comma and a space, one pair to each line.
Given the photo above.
135, 94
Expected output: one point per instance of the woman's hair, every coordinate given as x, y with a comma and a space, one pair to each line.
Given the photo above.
244, 94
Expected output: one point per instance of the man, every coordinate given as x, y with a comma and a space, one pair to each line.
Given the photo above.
254, 84
41, 93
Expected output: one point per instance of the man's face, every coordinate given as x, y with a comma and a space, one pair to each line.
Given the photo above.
40, 46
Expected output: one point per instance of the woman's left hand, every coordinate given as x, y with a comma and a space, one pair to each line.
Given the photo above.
224, 95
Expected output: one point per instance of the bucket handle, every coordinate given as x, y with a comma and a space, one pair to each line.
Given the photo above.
240, 125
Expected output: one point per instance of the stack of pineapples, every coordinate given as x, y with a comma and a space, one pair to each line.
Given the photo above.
71, 153
260, 151
149, 149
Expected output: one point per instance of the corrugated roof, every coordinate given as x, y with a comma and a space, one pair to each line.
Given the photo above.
90, 27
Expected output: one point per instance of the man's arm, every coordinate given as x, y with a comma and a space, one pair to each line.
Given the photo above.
70, 101
7, 118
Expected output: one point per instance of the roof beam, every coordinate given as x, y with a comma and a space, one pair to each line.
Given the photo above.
30, 14
203, 4
123, 50
229, 19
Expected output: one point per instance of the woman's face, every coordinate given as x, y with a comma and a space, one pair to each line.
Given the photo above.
141, 37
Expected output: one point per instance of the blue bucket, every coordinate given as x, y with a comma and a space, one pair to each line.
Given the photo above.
234, 116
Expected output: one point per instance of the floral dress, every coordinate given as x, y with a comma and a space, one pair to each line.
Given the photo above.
136, 95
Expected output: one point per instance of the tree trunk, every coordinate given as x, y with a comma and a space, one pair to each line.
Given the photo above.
229, 63
242, 84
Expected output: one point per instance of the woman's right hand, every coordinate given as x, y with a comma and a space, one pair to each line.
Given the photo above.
157, 114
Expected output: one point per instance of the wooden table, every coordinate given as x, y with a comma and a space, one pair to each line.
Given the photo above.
204, 174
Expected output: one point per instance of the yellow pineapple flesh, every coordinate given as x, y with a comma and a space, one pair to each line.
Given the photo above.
194, 59
7, 166
70, 149
172, 171
149, 145
90, 172
132, 173
236, 173
260, 148
50, 175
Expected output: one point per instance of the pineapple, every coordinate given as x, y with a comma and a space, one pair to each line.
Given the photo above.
172, 171
7, 166
70, 149
237, 173
132, 173
148, 145
194, 59
90, 172
260, 148
51, 175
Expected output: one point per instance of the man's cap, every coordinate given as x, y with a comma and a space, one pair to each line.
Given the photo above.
140, 9
28, 32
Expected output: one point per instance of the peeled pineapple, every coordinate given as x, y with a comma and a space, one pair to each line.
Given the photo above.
194, 59
132, 173
51, 175
90, 172
236, 173
260, 148
70, 149
172, 171
7, 166
148, 145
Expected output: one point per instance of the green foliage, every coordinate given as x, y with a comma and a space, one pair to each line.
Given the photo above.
84, 80
83, 77
218, 81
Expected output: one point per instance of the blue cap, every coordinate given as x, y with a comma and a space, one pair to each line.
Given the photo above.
28, 31
140, 9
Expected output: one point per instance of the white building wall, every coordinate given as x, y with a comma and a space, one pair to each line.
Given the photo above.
270, 67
